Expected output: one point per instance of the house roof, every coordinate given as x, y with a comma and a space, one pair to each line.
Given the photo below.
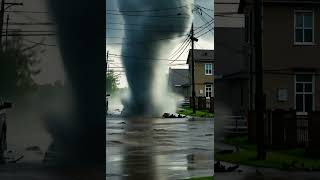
179, 77
202, 55
243, 3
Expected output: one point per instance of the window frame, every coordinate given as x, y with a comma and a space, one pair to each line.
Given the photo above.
211, 90
205, 69
295, 27
304, 93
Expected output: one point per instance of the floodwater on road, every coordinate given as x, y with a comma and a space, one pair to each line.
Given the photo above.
159, 149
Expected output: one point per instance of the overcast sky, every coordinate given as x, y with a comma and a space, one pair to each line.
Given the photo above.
34, 11
114, 45
51, 66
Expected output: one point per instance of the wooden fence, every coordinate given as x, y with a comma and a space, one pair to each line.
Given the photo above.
284, 128
203, 103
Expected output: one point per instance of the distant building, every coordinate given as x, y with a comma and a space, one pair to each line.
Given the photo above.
179, 82
204, 72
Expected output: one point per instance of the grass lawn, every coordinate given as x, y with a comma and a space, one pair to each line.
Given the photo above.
202, 178
280, 159
199, 113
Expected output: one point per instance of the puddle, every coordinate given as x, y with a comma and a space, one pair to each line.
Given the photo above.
160, 149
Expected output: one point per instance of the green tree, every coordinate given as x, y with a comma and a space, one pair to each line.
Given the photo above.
112, 82
18, 65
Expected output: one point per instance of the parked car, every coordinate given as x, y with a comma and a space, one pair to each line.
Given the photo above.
3, 126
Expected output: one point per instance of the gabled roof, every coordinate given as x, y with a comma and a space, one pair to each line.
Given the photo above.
202, 55
243, 3
179, 77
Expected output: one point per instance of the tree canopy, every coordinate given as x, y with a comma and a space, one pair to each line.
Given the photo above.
18, 64
112, 82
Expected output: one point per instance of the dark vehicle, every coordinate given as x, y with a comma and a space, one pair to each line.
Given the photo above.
3, 128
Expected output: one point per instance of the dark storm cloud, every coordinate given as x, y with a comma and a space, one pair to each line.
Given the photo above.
167, 21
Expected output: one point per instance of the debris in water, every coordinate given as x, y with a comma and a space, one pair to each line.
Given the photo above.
33, 148
218, 167
167, 115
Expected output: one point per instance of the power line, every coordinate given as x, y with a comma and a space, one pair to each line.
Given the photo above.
180, 53
49, 34
205, 24
143, 25
152, 30
209, 24
44, 44
202, 27
32, 23
31, 12
150, 10
205, 33
177, 16
180, 47
147, 42
203, 7
143, 58
31, 31
204, 12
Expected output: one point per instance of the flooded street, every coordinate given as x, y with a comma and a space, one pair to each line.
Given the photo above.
159, 149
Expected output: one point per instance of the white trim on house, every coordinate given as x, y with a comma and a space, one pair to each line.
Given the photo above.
312, 93
313, 27
211, 90
210, 70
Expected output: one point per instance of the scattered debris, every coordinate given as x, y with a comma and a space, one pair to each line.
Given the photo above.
218, 167
33, 148
16, 160
167, 115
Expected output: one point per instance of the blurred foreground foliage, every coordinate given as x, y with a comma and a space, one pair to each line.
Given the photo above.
18, 65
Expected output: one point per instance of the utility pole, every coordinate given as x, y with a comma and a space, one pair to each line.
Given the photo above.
7, 31
259, 97
192, 58
2, 11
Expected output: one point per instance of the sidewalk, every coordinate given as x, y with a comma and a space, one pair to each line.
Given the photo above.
256, 173
253, 173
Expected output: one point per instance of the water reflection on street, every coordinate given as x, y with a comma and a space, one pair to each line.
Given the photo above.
159, 149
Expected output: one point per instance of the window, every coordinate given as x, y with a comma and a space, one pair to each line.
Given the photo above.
303, 27
208, 68
208, 90
304, 92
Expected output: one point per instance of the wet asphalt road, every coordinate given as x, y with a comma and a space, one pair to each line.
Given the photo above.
159, 149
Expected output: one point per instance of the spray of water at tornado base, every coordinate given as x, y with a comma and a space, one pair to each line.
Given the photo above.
147, 78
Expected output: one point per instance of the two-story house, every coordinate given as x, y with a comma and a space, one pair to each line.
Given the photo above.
203, 72
291, 51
